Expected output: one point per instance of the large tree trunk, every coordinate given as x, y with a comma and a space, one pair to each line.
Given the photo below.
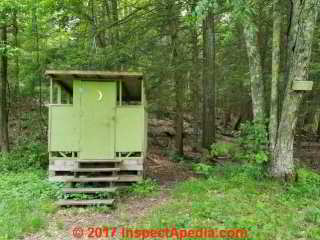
178, 81
209, 82
256, 79
304, 15
4, 139
195, 84
276, 43
16, 60
108, 20
173, 12
115, 18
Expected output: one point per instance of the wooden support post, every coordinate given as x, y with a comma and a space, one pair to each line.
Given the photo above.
120, 94
51, 91
59, 94
142, 93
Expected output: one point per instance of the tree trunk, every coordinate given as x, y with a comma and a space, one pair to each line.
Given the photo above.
304, 15
195, 83
4, 139
257, 86
17, 67
115, 18
209, 81
178, 82
108, 20
276, 43
318, 131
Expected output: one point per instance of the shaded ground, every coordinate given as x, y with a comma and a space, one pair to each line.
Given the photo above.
164, 171
308, 154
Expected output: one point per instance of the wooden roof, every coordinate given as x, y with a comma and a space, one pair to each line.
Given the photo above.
131, 80
93, 75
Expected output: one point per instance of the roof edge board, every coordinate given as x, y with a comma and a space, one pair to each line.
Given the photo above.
94, 74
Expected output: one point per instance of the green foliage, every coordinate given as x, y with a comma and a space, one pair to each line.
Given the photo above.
233, 198
241, 9
312, 215
84, 196
25, 201
308, 183
203, 169
224, 150
254, 142
144, 188
175, 157
220, 149
29, 154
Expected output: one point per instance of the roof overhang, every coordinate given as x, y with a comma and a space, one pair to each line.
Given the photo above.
131, 80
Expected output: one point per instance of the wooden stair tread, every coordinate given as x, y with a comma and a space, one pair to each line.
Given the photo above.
96, 169
98, 160
92, 179
88, 190
85, 202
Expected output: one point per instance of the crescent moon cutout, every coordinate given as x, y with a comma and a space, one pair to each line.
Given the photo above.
100, 95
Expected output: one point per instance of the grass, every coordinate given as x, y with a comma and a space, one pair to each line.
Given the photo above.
240, 197
26, 200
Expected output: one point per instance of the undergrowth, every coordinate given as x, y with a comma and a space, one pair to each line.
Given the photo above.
145, 188
28, 154
26, 200
240, 196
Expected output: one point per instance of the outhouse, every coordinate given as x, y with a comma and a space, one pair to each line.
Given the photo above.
97, 131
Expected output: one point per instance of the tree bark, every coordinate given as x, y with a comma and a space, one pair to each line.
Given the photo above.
4, 141
256, 79
209, 81
276, 43
195, 83
178, 82
115, 18
304, 15
17, 67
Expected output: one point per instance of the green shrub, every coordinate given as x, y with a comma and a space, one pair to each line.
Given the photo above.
203, 169
29, 154
223, 150
144, 188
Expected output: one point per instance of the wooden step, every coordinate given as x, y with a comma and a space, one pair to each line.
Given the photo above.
130, 178
88, 190
97, 169
85, 202
92, 179
98, 161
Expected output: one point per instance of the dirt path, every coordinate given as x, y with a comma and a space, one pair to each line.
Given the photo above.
127, 214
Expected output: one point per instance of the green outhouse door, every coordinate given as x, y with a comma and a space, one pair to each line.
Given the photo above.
97, 120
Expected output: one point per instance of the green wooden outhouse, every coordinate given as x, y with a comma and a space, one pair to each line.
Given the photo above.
97, 129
